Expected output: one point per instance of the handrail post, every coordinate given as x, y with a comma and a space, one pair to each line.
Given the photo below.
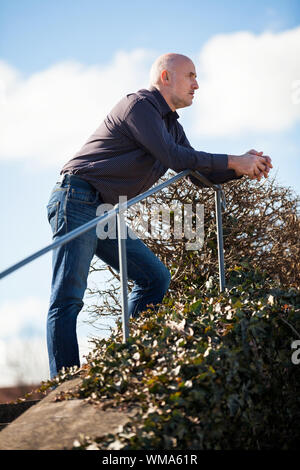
218, 194
122, 234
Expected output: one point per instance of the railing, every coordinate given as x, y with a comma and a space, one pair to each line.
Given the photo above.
119, 210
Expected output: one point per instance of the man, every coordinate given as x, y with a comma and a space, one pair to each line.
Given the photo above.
132, 148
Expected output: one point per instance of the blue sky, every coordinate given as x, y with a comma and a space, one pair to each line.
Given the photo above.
37, 33
64, 63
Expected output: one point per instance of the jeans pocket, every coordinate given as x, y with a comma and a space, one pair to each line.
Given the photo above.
52, 214
83, 196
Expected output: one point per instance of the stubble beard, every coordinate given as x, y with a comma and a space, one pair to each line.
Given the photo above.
180, 102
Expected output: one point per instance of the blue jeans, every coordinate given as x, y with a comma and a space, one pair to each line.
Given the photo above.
72, 203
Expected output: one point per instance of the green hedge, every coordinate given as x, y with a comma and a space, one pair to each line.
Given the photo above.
215, 373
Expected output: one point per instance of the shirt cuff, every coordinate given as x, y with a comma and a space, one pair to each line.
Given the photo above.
219, 162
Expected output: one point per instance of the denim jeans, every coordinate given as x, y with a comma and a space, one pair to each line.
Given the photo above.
72, 203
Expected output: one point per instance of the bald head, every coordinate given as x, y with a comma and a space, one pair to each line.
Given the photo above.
174, 75
169, 62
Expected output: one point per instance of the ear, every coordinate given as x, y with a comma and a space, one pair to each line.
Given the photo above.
165, 77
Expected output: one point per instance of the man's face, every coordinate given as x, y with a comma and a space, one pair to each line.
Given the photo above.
183, 84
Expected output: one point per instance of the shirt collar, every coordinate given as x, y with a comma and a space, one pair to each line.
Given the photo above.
164, 107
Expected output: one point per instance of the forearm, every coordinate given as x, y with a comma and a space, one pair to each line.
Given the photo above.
232, 161
217, 177
144, 125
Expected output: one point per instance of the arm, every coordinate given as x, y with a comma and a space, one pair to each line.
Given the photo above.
252, 164
217, 177
144, 125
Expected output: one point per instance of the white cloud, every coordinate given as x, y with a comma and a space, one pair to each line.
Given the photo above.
23, 361
47, 117
24, 317
246, 83
23, 348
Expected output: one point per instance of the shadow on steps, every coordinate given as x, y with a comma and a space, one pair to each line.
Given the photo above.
10, 411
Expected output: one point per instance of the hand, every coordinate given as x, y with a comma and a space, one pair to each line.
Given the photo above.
253, 164
268, 165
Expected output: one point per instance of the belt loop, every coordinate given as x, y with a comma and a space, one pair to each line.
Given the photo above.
61, 178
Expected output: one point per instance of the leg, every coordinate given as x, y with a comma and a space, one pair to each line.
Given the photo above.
70, 264
151, 277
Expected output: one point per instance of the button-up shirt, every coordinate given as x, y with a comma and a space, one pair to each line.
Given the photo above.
138, 141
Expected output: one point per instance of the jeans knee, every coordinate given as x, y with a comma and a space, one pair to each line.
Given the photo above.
168, 279
163, 281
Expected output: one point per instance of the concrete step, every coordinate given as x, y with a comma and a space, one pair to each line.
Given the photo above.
10, 411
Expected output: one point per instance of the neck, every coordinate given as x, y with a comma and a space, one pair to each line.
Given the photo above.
166, 96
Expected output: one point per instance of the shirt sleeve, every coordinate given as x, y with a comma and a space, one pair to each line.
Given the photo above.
144, 124
216, 177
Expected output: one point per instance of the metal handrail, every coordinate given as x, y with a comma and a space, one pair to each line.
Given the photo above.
119, 210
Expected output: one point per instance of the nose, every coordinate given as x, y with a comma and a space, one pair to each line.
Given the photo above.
195, 86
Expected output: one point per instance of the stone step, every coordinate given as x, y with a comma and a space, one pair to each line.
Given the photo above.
55, 424
10, 411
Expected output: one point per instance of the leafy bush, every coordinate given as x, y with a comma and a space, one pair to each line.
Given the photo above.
212, 373
261, 226
209, 370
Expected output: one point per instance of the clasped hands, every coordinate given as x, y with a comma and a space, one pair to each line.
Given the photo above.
253, 164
